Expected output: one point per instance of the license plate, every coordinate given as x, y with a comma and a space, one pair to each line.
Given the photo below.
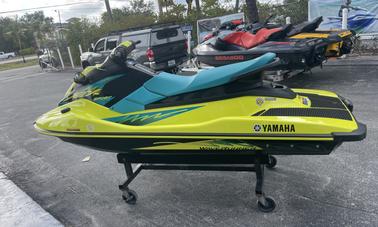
171, 62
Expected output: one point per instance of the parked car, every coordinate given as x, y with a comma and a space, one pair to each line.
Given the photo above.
46, 58
7, 55
162, 47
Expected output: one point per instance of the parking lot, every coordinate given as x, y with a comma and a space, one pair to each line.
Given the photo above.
335, 190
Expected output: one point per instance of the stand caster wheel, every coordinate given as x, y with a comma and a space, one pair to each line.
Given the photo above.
272, 162
268, 207
129, 196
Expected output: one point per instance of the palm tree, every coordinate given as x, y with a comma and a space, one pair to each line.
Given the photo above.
253, 13
236, 6
38, 24
160, 6
189, 2
198, 7
16, 31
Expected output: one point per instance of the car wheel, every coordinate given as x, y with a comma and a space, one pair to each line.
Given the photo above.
42, 64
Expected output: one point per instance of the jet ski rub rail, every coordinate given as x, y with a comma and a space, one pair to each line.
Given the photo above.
356, 135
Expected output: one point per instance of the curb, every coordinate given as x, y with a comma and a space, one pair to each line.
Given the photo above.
18, 209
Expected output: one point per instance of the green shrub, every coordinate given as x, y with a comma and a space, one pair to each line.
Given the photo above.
27, 51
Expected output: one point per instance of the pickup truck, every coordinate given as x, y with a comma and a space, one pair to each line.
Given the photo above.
161, 47
7, 55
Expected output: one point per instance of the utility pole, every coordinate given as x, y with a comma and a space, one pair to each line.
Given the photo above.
60, 24
198, 8
109, 10
60, 20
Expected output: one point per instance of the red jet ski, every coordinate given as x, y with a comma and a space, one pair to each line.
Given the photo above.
226, 26
243, 45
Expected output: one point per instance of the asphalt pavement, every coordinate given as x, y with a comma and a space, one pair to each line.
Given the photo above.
340, 189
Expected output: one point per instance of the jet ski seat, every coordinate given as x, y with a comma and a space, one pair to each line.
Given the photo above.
165, 84
307, 26
248, 40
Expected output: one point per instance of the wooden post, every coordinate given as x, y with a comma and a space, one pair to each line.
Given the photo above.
344, 22
288, 20
70, 55
60, 57
80, 49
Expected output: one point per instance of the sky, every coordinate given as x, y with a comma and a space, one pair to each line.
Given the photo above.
86, 8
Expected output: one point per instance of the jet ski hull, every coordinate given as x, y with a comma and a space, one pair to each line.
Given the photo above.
198, 147
242, 125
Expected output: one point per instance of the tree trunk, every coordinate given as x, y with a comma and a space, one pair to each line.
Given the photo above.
189, 2
253, 13
108, 9
37, 43
237, 6
159, 2
198, 7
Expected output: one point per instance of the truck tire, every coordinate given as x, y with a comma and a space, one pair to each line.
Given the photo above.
42, 64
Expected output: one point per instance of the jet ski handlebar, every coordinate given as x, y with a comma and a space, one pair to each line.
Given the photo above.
120, 53
117, 59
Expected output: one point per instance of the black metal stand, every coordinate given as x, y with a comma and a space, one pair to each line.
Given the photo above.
265, 204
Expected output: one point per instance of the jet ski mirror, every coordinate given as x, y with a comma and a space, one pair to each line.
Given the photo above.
80, 79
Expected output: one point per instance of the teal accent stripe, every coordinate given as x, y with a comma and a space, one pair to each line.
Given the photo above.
147, 118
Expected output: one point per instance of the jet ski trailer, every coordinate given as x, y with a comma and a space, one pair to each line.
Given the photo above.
224, 118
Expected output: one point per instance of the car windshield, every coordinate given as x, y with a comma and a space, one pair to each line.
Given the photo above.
111, 44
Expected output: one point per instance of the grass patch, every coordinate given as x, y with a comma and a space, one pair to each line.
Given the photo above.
19, 64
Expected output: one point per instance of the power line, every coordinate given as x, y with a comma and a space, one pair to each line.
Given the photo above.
44, 7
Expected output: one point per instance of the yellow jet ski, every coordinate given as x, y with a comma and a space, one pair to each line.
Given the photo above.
340, 41
225, 115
